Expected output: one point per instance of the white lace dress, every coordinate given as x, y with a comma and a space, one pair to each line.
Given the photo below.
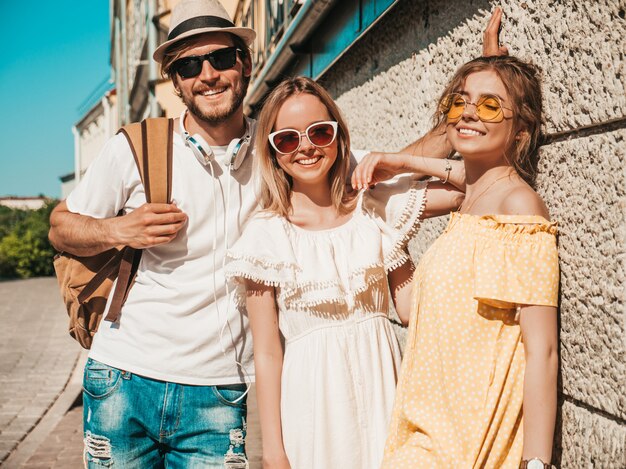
342, 356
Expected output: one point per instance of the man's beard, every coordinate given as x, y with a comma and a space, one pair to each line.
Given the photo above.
216, 115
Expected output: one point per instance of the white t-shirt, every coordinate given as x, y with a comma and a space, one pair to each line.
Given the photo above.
178, 324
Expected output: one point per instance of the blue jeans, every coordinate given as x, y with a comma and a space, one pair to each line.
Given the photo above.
135, 422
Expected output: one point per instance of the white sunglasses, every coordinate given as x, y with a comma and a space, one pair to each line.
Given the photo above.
320, 134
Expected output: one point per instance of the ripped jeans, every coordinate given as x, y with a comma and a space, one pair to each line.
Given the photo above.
135, 422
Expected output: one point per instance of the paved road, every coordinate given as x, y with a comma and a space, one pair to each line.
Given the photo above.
37, 356
62, 449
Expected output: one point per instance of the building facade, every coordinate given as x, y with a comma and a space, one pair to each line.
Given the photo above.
385, 62
91, 132
24, 203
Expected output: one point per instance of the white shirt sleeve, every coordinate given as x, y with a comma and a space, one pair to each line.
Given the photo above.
108, 182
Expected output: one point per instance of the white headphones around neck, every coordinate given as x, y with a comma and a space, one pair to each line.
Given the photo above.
235, 153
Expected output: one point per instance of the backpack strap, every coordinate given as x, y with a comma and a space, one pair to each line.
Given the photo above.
151, 142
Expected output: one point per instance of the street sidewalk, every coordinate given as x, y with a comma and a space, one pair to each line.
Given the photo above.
41, 378
37, 357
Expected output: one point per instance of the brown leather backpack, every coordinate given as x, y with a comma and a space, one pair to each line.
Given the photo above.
86, 282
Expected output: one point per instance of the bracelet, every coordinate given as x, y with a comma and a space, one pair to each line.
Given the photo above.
447, 169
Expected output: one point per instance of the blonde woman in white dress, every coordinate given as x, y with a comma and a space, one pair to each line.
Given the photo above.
317, 266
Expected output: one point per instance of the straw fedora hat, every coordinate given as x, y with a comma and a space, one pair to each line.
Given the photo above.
193, 17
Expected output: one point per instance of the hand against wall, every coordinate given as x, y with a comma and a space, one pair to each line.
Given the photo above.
491, 36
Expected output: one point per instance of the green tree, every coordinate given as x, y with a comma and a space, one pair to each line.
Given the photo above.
24, 247
9, 218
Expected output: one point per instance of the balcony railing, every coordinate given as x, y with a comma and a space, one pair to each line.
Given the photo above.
280, 14
270, 18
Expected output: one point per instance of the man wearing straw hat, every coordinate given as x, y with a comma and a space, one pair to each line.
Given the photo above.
166, 385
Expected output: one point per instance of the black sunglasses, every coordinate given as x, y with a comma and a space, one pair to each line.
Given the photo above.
221, 59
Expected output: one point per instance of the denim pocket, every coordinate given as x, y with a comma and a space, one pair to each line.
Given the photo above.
100, 380
229, 393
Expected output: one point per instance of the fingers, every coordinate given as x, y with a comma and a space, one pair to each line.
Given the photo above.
376, 167
491, 39
359, 175
354, 180
358, 179
169, 229
159, 214
494, 19
362, 175
152, 241
149, 225
151, 214
160, 208
165, 218
154, 235
490, 35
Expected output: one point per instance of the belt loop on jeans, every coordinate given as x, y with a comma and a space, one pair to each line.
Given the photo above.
126, 375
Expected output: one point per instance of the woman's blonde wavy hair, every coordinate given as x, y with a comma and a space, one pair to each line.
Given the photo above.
522, 81
276, 184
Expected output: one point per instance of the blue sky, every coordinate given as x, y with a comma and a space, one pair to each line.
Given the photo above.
55, 55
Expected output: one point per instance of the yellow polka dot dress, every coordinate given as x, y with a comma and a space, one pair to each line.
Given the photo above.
459, 397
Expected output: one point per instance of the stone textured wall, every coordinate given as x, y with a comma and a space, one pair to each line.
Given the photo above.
387, 85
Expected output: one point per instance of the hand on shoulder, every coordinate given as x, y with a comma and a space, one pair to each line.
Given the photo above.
376, 167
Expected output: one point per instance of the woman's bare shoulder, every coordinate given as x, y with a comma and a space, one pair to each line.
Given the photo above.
521, 199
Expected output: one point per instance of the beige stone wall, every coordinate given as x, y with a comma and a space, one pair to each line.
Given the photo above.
387, 85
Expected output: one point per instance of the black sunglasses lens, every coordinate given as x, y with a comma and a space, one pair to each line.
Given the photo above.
189, 67
223, 59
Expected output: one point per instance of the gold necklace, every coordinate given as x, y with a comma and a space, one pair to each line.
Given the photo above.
481, 194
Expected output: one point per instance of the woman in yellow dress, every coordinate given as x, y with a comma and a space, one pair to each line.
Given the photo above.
478, 382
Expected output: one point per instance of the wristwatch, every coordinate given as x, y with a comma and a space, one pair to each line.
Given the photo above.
535, 463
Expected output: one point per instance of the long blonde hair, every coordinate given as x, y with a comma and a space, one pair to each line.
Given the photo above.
522, 82
275, 190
